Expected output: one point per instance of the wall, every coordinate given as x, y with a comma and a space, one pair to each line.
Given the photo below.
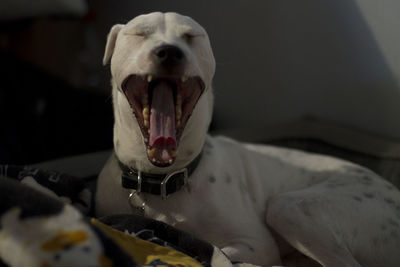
278, 60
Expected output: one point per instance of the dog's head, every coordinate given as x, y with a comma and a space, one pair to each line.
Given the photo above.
162, 68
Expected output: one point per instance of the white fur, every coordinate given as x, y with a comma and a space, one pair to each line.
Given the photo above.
333, 211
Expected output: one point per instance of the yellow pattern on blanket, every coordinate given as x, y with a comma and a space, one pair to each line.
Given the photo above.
145, 252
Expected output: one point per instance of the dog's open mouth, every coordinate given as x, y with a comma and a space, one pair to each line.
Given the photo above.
162, 106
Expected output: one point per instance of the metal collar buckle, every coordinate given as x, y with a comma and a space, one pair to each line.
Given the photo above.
164, 182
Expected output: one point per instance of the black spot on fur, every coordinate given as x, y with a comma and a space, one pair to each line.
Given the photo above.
389, 187
357, 198
366, 180
397, 210
57, 257
243, 188
389, 201
375, 241
189, 153
228, 178
368, 195
305, 208
383, 227
211, 179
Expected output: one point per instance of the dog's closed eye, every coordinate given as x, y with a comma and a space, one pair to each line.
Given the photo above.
189, 36
140, 30
141, 33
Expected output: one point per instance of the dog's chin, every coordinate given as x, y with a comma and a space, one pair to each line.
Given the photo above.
162, 106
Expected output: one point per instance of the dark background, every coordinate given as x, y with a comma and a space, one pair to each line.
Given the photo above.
279, 63
44, 117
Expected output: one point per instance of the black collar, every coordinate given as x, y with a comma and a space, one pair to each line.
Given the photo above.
157, 184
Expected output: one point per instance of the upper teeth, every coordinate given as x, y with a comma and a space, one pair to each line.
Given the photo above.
179, 100
146, 112
149, 78
178, 112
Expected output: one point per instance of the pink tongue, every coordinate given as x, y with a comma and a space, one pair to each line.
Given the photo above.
162, 122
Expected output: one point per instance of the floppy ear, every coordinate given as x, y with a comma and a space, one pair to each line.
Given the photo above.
111, 38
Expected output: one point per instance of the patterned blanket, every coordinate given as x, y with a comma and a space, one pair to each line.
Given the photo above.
46, 219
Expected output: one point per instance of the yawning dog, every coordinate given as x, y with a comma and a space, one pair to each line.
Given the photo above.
245, 199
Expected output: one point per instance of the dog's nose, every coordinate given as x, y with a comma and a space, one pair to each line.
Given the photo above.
169, 55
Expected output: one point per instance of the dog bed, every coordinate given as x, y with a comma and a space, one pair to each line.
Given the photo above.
46, 217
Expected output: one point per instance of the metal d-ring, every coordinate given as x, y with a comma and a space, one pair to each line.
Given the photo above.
135, 193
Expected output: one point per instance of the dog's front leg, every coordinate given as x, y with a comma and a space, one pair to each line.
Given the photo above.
252, 253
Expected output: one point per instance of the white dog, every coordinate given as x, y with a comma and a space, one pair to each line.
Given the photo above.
245, 199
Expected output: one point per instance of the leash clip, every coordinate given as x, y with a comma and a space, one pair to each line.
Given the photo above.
137, 209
